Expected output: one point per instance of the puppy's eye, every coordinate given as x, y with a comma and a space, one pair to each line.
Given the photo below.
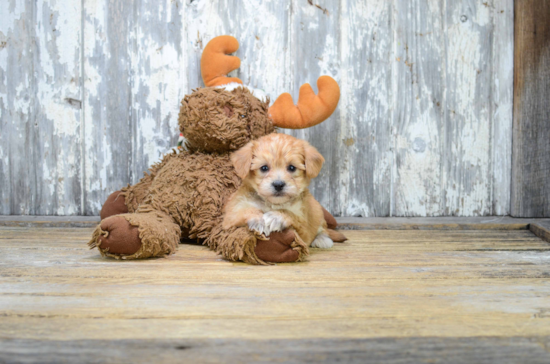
264, 168
291, 168
243, 116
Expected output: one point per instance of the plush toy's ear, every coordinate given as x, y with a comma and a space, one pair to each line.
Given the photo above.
216, 63
242, 160
311, 109
314, 161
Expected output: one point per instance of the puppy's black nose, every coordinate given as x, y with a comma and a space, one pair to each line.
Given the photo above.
278, 185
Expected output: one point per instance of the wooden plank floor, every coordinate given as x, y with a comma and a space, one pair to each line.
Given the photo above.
384, 295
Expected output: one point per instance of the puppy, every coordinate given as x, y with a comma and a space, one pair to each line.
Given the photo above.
276, 171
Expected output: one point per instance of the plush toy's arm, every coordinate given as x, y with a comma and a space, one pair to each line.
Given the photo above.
241, 244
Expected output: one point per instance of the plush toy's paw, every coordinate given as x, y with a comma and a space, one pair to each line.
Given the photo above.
136, 236
241, 244
274, 221
257, 224
114, 205
118, 237
281, 247
322, 241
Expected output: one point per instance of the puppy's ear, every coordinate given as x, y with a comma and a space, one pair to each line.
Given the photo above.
314, 161
242, 160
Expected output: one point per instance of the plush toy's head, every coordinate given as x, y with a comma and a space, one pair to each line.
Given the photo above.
225, 115
215, 120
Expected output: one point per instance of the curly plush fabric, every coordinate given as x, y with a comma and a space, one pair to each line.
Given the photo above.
134, 195
191, 188
157, 233
215, 120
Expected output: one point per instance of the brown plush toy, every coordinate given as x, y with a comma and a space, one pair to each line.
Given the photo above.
183, 196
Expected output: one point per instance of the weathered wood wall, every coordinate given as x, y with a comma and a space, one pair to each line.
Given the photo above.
89, 94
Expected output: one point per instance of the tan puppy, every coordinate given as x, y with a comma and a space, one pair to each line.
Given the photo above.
276, 170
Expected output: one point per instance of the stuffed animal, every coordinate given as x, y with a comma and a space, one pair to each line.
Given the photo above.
183, 196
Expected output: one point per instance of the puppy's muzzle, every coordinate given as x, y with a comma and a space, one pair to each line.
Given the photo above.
278, 185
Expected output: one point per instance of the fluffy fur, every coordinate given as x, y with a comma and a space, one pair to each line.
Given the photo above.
220, 121
276, 171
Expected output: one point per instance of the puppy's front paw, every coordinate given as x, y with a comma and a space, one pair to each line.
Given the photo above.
274, 221
257, 224
322, 241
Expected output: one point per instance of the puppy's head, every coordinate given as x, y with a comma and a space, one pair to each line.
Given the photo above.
278, 167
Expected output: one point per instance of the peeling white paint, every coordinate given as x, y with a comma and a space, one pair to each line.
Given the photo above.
423, 127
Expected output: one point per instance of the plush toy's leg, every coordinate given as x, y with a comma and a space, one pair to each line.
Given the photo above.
114, 205
136, 236
129, 198
240, 244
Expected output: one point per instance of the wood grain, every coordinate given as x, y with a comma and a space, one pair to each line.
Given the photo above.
363, 147
397, 284
344, 223
89, 95
108, 99
385, 296
436, 223
531, 165
17, 108
158, 80
419, 118
466, 172
541, 229
40, 108
383, 350
58, 109
502, 105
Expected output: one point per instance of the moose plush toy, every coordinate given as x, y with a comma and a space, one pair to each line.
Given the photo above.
183, 196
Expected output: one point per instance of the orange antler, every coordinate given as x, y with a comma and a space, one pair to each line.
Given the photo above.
215, 62
311, 109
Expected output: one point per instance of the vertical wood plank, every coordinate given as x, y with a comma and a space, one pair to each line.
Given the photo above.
419, 117
363, 147
466, 175
57, 70
502, 99
40, 108
531, 133
107, 99
462, 69
315, 51
158, 61
17, 99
